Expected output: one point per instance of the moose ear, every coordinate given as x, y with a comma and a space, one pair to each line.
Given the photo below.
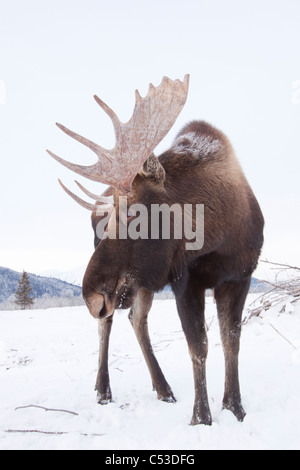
152, 168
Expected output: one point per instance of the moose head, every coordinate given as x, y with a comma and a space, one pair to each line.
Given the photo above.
120, 266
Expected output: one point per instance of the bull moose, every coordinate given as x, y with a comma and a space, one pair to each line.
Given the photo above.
125, 272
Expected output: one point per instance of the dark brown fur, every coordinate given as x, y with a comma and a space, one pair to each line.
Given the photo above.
200, 168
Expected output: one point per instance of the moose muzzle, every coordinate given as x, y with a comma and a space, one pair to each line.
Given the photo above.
100, 306
103, 305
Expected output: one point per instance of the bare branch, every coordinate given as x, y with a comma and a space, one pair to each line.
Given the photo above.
57, 433
287, 340
286, 266
47, 409
35, 430
281, 292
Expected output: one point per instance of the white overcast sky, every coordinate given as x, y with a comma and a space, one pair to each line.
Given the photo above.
243, 58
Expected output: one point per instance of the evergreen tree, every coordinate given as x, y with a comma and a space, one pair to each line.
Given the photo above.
23, 294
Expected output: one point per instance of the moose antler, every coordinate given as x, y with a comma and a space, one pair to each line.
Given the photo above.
152, 118
103, 203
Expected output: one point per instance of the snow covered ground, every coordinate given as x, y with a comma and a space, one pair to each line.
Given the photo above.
48, 358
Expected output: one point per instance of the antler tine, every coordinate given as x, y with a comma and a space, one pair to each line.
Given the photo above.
102, 199
99, 208
91, 172
99, 151
115, 120
86, 205
153, 116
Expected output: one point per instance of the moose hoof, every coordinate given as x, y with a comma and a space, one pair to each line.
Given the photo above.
196, 420
236, 409
168, 399
203, 417
104, 398
164, 393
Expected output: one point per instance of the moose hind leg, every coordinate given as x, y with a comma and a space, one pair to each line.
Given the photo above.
102, 386
138, 318
230, 298
191, 312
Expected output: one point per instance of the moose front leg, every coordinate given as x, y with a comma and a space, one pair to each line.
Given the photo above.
104, 395
191, 312
230, 298
138, 318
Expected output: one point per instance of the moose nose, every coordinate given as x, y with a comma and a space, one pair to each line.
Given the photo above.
99, 305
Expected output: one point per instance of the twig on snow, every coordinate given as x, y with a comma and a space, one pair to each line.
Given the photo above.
35, 430
282, 336
58, 433
47, 409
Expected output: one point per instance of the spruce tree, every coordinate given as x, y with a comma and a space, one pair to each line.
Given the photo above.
23, 294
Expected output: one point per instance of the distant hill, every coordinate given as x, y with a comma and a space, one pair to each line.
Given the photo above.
255, 287
41, 285
73, 276
258, 286
52, 291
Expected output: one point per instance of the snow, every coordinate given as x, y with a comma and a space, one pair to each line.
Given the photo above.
200, 146
48, 358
